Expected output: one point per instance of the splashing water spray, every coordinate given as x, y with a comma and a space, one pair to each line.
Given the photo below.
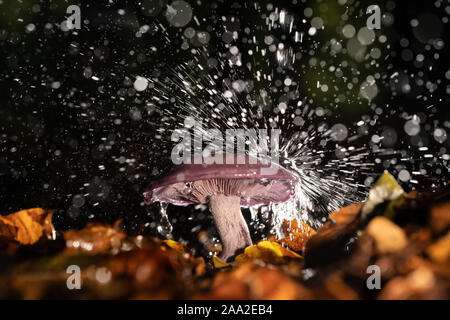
325, 163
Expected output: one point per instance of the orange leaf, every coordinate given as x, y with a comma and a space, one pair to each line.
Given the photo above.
26, 226
346, 214
94, 238
296, 235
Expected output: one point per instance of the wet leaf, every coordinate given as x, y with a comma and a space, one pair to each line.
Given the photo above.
27, 226
331, 242
296, 235
94, 238
177, 246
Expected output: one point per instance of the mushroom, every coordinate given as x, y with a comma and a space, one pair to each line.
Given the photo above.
225, 188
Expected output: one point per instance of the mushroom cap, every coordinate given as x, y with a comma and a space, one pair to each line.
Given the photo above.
194, 183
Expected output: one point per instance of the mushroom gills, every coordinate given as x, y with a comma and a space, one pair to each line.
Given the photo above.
230, 224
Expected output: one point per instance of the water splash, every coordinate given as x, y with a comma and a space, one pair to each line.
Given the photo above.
330, 158
164, 227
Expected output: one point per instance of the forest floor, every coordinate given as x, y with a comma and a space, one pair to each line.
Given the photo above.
392, 246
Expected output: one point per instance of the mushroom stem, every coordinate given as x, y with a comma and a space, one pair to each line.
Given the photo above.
230, 224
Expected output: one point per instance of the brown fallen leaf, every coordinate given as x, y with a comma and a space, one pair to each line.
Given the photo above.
346, 214
359, 260
187, 253
27, 226
94, 238
330, 242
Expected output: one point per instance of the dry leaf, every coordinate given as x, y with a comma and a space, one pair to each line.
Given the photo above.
27, 226
346, 214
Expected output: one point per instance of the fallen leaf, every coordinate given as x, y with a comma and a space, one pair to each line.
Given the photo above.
385, 189
219, 263
177, 246
187, 253
94, 238
27, 226
359, 260
296, 235
346, 214
267, 251
330, 243
333, 242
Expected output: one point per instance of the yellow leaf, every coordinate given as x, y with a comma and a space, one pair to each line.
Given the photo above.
385, 189
268, 251
176, 245
218, 263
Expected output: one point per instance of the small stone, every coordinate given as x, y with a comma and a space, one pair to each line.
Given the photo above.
440, 217
440, 250
389, 237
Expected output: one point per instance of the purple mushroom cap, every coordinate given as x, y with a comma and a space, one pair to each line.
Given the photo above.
226, 188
